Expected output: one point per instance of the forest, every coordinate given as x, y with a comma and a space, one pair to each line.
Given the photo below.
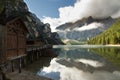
110, 36
111, 54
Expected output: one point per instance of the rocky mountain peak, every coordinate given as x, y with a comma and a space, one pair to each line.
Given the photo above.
10, 9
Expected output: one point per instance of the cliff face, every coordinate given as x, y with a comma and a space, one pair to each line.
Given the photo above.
83, 29
17, 8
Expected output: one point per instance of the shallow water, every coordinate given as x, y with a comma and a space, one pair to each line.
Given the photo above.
83, 62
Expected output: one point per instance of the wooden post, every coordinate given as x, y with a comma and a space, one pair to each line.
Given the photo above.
40, 52
32, 56
1, 76
20, 65
37, 54
2, 73
23, 62
36, 58
12, 65
29, 57
34, 53
45, 50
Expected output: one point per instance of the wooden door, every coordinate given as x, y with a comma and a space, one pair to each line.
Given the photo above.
21, 40
11, 42
16, 39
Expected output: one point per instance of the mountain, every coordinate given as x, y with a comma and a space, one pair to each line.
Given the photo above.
110, 36
85, 28
82, 22
10, 9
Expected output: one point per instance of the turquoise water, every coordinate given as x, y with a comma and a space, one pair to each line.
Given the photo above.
83, 62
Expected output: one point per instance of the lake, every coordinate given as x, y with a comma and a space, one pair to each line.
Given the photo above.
81, 62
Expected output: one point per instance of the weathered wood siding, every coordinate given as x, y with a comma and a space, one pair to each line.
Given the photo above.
0, 36
0, 44
16, 39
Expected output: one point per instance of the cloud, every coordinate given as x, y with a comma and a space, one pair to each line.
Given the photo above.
93, 25
58, 71
85, 8
91, 62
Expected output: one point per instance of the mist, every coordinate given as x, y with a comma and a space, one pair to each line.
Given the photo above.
93, 25
84, 9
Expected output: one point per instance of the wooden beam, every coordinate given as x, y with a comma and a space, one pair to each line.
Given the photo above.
20, 65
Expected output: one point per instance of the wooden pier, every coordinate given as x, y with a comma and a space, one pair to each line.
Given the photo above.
33, 53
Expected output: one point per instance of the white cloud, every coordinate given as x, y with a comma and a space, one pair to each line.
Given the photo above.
54, 22
85, 8
91, 62
58, 71
89, 27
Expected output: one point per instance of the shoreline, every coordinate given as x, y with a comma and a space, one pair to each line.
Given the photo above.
85, 46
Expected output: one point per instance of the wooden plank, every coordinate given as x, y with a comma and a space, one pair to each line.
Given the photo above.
1, 36
11, 53
17, 57
3, 44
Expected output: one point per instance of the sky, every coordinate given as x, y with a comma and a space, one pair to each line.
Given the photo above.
48, 8
58, 12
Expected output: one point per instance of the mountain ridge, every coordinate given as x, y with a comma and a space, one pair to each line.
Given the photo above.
72, 31
81, 22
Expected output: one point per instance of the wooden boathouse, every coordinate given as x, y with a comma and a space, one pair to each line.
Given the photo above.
12, 40
14, 46
16, 49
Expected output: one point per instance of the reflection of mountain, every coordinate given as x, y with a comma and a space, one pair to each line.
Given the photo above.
112, 54
92, 27
78, 53
79, 65
74, 63
69, 70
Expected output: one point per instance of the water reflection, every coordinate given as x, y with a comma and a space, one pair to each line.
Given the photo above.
39, 64
79, 64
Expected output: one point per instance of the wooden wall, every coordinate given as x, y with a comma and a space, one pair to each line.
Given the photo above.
16, 39
2, 44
